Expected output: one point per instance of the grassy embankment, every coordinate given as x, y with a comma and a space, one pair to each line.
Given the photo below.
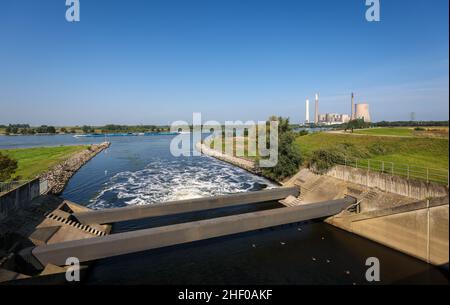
236, 144
398, 145
34, 161
415, 153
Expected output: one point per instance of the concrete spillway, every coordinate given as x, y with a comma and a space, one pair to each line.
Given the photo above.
129, 242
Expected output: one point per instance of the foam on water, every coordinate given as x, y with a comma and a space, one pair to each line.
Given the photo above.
167, 180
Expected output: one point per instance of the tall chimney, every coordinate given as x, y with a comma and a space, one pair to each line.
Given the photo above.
307, 111
316, 115
352, 117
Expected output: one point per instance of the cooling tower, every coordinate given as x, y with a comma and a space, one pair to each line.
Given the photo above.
362, 112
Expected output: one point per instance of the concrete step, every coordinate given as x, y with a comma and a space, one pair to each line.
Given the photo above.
68, 222
291, 201
7, 275
42, 235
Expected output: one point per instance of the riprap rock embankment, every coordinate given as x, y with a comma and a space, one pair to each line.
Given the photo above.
58, 176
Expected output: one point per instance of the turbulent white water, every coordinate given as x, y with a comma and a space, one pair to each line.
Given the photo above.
167, 180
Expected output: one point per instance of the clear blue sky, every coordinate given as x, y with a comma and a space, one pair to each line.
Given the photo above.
151, 61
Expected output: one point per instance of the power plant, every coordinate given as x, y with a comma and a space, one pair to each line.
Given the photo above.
358, 111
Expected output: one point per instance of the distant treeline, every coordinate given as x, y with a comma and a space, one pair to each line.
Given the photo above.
110, 128
385, 124
410, 123
26, 129
113, 128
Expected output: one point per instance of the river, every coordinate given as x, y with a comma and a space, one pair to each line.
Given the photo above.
141, 170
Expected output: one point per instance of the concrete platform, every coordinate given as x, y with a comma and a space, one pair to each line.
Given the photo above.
183, 206
129, 242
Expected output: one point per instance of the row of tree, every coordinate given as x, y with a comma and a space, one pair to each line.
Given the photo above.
355, 124
26, 129
410, 123
112, 128
359, 124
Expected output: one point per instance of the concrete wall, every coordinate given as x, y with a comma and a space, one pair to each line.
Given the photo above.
419, 229
19, 197
421, 233
392, 184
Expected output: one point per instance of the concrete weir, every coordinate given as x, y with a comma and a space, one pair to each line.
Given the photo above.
129, 242
183, 206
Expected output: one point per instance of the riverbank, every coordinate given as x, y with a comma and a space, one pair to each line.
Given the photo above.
21, 220
58, 176
33, 162
246, 164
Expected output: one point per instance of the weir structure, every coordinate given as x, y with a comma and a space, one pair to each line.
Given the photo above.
102, 245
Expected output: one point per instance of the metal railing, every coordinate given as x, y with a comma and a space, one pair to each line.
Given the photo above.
5, 187
408, 171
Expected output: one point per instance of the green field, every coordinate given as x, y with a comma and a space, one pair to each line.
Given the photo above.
441, 132
415, 153
35, 161
396, 131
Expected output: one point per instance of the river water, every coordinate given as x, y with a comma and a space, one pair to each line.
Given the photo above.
141, 170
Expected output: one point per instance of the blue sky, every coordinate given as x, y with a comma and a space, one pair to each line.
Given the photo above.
151, 61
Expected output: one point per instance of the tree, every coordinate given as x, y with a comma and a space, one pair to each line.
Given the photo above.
356, 124
8, 167
289, 159
86, 129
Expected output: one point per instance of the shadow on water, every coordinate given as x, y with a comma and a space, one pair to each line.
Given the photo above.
191, 216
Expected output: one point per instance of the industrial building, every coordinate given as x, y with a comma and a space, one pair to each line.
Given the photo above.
333, 118
358, 111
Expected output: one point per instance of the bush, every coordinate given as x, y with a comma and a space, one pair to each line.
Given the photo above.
302, 133
8, 167
289, 160
324, 159
419, 129
380, 149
